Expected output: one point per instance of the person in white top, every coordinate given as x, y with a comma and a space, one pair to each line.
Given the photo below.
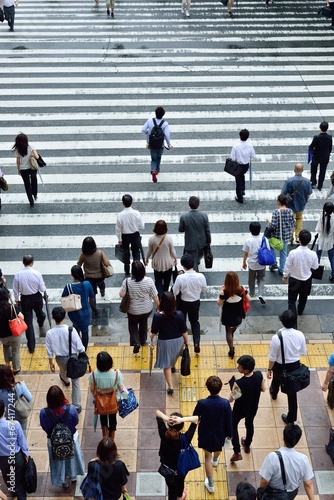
325, 229
128, 225
27, 287
191, 284
296, 465
9, 11
256, 271
294, 346
57, 344
242, 152
298, 267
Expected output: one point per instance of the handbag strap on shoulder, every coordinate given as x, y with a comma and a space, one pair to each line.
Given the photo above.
280, 224
279, 334
279, 454
69, 289
161, 241
70, 329
116, 378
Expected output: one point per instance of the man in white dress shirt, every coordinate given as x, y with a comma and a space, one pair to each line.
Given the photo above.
128, 225
298, 267
296, 465
242, 152
9, 11
191, 284
294, 346
28, 285
57, 343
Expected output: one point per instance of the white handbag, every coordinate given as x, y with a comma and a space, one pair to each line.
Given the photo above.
71, 302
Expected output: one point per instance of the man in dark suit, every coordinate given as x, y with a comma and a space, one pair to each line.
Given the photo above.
320, 148
196, 228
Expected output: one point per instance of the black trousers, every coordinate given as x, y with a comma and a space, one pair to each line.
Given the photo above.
137, 325
29, 177
18, 488
240, 181
331, 6
162, 281
314, 167
298, 288
175, 489
132, 240
275, 385
9, 13
192, 309
249, 424
30, 303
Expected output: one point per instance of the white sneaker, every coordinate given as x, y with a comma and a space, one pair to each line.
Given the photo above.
215, 462
183, 11
211, 489
187, 13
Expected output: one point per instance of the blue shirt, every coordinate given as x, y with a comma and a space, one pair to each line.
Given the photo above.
48, 424
331, 360
300, 198
11, 436
81, 318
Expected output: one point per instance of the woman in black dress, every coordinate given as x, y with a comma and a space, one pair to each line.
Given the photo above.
170, 326
170, 447
230, 297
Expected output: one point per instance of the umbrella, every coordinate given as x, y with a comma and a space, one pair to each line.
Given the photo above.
46, 298
309, 155
250, 174
151, 356
41, 181
142, 252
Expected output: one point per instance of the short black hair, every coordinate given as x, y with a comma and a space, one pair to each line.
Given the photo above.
244, 134
288, 319
187, 261
127, 200
304, 237
255, 228
282, 199
247, 362
77, 273
27, 260
58, 314
159, 112
245, 491
104, 361
194, 202
291, 435
324, 126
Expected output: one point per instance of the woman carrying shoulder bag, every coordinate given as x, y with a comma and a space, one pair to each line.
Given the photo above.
325, 229
10, 391
23, 153
10, 344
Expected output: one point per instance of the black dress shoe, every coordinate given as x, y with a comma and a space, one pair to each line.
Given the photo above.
284, 418
239, 200
197, 349
31, 350
136, 348
273, 396
67, 384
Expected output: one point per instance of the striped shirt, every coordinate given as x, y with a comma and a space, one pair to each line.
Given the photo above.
141, 295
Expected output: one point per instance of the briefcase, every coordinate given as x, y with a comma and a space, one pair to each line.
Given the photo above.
318, 273
232, 167
120, 253
325, 11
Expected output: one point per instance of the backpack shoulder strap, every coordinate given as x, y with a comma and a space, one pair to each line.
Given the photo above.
279, 454
49, 414
115, 384
67, 411
160, 124
154, 122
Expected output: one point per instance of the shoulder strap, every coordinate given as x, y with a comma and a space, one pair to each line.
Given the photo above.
49, 414
279, 454
70, 329
155, 123
115, 384
280, 223
184, 442
67, 411
161, 241
279, 334
298, 186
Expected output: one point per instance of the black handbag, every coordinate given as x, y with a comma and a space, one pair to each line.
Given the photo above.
208, 257
317, 274
185, 363
269, 493
30, 476
76, 366
2, 17
232, 167
168, 473
175, 273
41, 162
295, 381
268, 232
125, 302
121, 254
330, 446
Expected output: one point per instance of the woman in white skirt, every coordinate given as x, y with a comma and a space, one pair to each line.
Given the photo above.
170, 326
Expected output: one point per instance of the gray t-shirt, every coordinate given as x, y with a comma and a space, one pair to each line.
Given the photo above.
25, 160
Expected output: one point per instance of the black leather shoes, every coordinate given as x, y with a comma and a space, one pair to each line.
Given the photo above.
284, 418
197, 349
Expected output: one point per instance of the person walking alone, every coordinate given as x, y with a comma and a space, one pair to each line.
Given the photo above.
242, 152
321, 148
23, 152
325, 229
9, 12
157, 132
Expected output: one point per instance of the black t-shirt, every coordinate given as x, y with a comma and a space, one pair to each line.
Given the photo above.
248, 403
169, 449
111, 478
169, 327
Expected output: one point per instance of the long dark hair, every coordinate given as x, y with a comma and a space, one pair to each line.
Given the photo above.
168, 304
4, 297
77, 273
327, 211
107, 450
55, 399
89, 246
7, 380
21, 144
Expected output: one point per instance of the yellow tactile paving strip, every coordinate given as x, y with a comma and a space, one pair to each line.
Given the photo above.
212, 360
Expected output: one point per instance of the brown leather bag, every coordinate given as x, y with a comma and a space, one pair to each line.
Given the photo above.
105, 399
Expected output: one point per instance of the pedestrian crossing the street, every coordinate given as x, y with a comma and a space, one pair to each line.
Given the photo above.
81, 85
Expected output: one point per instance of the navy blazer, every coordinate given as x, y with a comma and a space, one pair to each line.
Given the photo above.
215, 422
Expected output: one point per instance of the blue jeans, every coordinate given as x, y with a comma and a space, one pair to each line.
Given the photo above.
330, 258
156, 155
282, 256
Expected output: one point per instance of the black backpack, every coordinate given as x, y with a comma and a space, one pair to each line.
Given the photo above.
62, 445
157, 137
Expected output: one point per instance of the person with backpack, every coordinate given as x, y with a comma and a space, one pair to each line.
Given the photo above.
157, 132
59, 420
